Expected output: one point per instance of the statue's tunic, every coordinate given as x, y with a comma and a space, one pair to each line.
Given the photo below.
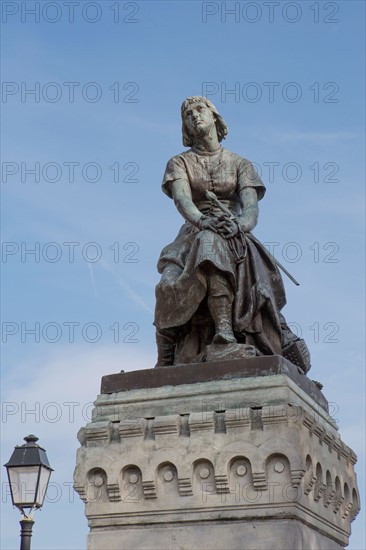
256, 281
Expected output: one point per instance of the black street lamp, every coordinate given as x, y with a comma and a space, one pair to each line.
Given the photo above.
29, 473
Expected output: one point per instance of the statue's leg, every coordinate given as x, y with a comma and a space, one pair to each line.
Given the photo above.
220, 303
166, 340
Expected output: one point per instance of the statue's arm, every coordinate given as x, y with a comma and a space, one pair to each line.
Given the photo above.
249, 216
182, 196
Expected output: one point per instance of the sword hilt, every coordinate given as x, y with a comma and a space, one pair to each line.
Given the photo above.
212, 197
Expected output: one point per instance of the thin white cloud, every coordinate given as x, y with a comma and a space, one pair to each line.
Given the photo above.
126, 287
90, 267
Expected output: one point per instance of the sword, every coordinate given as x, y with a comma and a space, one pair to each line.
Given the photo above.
212, 197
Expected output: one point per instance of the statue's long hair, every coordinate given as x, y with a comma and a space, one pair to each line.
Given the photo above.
221, 126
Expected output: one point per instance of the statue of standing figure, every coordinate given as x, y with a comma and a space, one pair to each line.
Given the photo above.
219, 285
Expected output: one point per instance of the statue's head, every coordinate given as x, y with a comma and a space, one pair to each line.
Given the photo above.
221, 126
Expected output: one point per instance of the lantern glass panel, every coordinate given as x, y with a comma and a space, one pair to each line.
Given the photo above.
42, 487
24, 485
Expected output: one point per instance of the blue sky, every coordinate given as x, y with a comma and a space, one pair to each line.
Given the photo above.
292, 94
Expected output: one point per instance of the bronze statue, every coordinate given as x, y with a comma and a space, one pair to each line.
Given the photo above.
219, 284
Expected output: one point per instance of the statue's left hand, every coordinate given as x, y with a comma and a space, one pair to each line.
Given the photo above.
226, 227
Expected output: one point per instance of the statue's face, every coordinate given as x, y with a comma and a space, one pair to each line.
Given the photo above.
198, 119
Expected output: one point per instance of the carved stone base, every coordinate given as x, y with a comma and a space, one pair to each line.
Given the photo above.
228, 462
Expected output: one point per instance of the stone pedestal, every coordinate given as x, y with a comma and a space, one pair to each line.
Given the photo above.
233, 454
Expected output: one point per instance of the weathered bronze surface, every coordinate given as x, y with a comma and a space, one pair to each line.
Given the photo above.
219, 284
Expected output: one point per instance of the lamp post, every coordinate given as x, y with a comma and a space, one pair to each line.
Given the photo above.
28, 473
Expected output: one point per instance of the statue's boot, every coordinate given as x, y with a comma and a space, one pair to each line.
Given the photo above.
166, 340
221, 310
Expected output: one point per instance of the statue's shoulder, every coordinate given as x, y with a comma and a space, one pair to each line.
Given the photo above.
181, 157
235, 158
176, 169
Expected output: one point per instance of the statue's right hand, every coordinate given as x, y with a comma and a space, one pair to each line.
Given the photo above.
207, 223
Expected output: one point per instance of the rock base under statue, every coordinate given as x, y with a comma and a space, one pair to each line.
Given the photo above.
231, 351
230, 454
